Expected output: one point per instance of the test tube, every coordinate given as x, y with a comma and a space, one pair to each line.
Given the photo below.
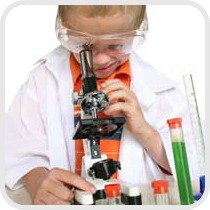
130, 195
196, 122
161, 192
100, 197
181, 161
113, 194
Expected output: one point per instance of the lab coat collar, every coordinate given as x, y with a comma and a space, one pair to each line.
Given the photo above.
147, 82
56, 61
146, 76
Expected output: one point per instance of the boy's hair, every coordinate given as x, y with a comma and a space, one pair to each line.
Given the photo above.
137, 12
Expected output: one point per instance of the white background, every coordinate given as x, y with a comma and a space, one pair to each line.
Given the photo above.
175, 44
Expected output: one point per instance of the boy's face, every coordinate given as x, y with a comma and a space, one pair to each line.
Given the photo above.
106, 59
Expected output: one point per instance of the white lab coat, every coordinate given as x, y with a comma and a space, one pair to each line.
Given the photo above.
39, 123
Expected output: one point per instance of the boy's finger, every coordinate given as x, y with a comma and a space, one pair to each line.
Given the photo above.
74, 180
110, 81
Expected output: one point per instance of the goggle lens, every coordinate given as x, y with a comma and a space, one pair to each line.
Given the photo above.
113, 44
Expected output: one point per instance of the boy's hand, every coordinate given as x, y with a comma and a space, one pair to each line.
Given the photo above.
54, 187
123, 102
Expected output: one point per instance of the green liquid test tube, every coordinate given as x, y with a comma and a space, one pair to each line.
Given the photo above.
181, 162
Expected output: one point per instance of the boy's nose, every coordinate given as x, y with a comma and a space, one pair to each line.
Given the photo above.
100, 58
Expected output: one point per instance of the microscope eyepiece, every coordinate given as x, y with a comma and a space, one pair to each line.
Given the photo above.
88, 75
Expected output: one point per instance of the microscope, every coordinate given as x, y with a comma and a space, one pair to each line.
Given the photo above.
90, 127
96, 167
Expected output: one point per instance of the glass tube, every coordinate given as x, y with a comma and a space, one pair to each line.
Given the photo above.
113, 194
160, 189
196, 122
181, 161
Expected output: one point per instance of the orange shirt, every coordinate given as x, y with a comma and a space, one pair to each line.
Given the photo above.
109, 146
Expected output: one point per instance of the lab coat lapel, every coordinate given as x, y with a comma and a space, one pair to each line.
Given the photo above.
67, 112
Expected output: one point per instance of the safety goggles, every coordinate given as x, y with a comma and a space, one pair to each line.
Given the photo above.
118, 44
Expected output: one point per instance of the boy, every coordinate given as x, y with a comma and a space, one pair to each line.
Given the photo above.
41, 119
